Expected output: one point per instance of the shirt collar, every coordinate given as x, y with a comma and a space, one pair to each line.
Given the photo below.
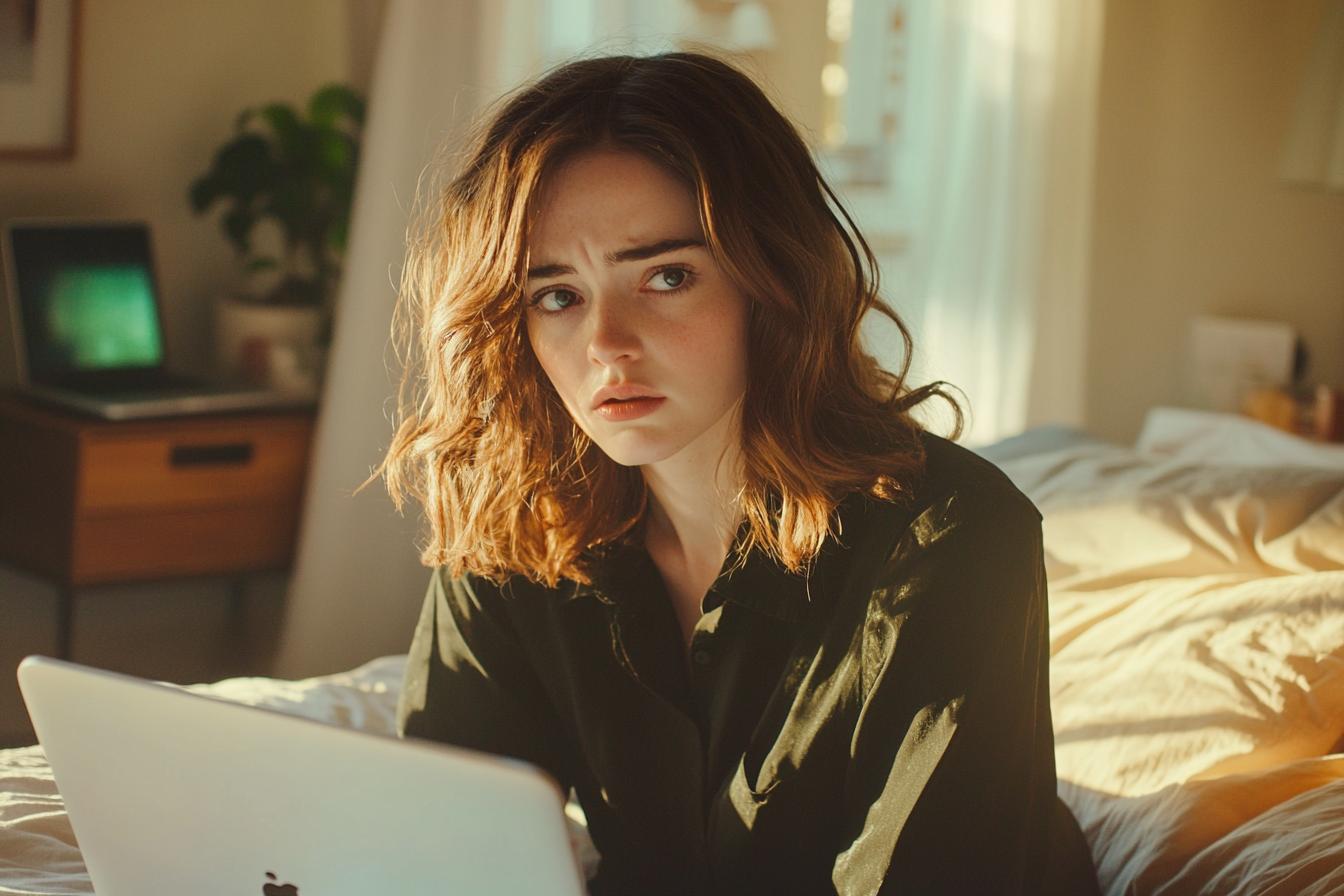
759, 583
764, 585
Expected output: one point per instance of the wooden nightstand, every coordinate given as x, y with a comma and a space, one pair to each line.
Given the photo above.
85, 501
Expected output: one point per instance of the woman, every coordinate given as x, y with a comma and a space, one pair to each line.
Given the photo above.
696, 559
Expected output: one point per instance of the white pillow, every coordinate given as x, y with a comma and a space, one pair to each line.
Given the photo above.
1228, 439
363, 698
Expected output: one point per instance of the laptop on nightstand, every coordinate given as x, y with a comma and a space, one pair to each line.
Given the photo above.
88, 327
172, 792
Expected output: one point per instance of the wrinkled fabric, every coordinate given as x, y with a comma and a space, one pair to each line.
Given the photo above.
38, 854
1293, 849
1197, 646
1196, 614
881, 725
1141, 843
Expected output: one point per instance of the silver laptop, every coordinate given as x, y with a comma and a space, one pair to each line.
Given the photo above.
172, 792
88, 328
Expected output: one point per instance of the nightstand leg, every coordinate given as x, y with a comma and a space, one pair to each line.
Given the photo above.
238, 621
65, 620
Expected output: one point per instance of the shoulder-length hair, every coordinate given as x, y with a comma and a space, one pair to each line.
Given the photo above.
509, 483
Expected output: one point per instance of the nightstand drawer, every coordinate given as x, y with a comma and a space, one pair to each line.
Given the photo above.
193, 542
240, 463
87, 501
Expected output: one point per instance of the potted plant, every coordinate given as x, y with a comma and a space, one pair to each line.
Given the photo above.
290, 178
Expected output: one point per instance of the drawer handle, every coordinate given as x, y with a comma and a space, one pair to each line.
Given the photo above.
211, 455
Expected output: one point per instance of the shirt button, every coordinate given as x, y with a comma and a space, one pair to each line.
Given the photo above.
702, 657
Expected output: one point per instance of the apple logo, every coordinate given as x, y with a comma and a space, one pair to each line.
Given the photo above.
278, 889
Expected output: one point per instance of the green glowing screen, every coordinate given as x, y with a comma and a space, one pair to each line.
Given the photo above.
104, 316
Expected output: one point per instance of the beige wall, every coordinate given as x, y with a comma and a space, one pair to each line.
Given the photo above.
161, 83
1195, 101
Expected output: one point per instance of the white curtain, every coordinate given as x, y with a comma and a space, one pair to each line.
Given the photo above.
357, 582
991, 193
1313, 153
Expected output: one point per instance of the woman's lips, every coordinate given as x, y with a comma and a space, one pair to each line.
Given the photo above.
619, 410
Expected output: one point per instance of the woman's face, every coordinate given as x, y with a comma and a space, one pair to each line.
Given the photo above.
641, 333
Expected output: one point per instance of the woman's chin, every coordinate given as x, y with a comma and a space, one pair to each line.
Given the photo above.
635, 450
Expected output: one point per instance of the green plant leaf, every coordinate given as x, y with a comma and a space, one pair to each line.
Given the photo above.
243, 167
282, 119
238, 224
204, 190
339, 234
332, 102
335, 153
299, 173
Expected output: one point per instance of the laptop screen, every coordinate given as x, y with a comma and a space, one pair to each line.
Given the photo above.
86, 301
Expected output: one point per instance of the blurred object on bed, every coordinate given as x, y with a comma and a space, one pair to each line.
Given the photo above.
1328, 415
1292, 410
1231, 356
1314, 414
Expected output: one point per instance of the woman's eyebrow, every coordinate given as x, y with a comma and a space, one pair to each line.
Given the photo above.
547, 271
653, 250
636, 253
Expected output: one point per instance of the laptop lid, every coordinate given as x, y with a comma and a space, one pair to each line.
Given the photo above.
174, 792
85, 304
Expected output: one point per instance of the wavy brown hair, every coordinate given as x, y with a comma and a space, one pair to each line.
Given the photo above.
508, 481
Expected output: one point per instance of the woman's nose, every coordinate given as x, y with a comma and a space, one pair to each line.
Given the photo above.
614, 337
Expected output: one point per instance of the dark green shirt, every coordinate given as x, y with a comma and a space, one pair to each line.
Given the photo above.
879, 726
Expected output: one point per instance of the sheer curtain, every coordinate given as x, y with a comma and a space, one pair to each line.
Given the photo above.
357, 583
992, 179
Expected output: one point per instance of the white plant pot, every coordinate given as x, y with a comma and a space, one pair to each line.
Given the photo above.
275, 346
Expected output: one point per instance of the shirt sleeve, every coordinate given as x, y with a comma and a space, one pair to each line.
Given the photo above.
951, 787
469, 683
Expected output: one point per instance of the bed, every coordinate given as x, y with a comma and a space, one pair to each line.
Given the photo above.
1197, 665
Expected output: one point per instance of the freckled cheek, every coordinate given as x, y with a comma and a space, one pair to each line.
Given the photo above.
717, 352
568, 368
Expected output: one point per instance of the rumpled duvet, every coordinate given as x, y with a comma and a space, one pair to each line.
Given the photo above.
1197, 653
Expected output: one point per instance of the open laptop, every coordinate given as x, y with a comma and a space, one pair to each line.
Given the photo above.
88, 327
171, 792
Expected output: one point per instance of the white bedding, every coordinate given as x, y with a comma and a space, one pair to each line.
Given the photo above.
1197, 672
1197, 649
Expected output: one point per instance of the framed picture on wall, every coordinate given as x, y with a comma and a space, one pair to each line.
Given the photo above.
39, 62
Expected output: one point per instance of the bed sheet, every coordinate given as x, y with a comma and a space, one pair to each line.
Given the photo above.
1197, 651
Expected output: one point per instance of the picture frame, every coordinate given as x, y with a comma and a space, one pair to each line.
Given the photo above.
39, 79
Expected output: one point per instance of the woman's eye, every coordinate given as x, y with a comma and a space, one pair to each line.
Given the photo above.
667, 280
556, 300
